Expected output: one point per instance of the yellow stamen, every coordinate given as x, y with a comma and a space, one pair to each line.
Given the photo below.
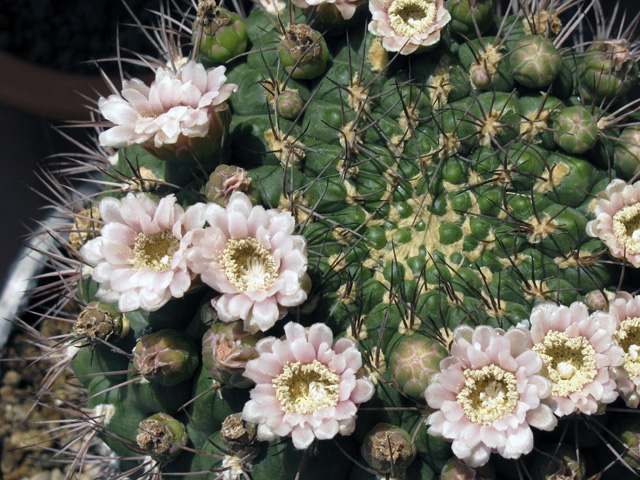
411, 17
626, 228
628, 337
489, 394
154, 252
305, 388
248, 265
570, 362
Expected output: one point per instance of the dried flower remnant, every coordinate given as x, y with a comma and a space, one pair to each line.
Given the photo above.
251, 257
138, 258
408, 26
577, 350
489, 394
306, 387
162, 437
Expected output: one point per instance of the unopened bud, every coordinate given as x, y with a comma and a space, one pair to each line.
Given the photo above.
167, 357
608, 69
413, 363
576, 130
223, 34
289, 104
224, 181
599, 300
226, 349
303, 52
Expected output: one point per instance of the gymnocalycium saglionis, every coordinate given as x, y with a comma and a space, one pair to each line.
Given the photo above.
338, 239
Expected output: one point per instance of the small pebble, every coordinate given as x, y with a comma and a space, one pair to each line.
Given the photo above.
11, 378
56, 474
40, 476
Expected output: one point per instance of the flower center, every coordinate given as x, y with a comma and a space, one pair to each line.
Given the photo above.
570, 362
489, 394
305, 388
154, 252
248, 265
626, 228
410, 17
628, 337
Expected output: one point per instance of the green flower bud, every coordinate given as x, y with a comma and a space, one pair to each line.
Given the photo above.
224, 181
608, 69
222, 33
576, 130
599, 299
456, 469
289, 104
388, 448
226, 349
465, 12
167, 357
627, 152
101, 321
481, 77
162, 437
558, 461
535, 62
236, 433
413, 363
303, 52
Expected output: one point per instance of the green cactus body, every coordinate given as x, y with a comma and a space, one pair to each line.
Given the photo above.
535, 62
430, 191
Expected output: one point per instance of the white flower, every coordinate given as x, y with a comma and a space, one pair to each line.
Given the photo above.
577, 350
407, 26
306, 387
251, 257
488, 394
346, 7
617, 221
626, 310
138, 258
177, 106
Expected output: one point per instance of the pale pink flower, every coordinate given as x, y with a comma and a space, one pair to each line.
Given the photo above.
346, 7
626, 309
138, 259
407, 26
577, 350
178, 107
251, 257
327, 389
617, 221
488, 394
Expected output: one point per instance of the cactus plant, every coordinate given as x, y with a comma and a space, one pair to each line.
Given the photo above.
364, 251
